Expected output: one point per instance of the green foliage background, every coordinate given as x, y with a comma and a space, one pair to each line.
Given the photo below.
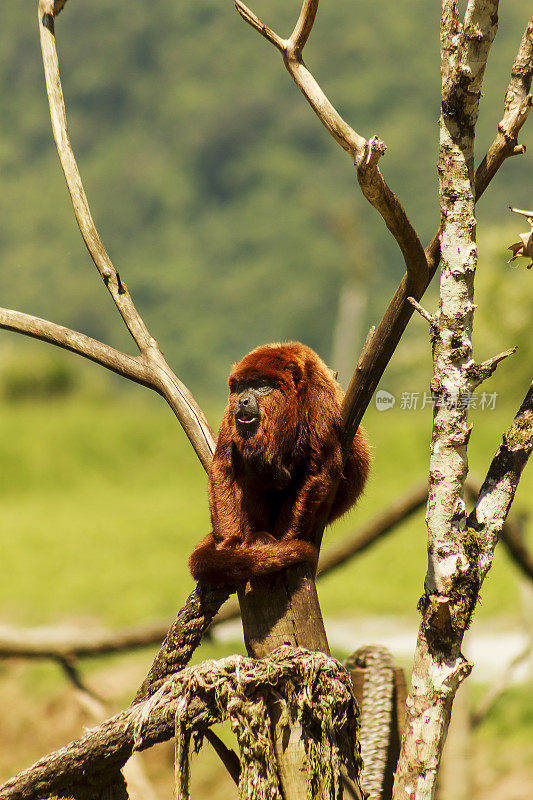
229, 210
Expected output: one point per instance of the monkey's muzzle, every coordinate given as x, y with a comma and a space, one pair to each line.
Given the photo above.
247, 413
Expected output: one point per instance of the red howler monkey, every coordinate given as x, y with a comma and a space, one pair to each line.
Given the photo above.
277, 456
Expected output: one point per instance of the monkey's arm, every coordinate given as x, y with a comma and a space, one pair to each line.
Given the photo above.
300, 513
226, 505
233, 552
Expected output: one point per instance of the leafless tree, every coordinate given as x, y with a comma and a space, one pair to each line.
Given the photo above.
460, 547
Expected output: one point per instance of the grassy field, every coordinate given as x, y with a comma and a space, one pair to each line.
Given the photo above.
102, 501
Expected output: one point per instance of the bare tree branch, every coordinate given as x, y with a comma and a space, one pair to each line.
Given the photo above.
511, 536
68, 642
486, 520
229, 757
136, 368
304, 25
365, 154
374, 359
150, 368
439, 664
517, 105
110, 276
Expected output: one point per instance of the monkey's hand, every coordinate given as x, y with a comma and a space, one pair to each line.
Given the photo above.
232, 560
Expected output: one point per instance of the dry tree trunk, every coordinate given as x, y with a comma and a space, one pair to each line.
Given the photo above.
459, 549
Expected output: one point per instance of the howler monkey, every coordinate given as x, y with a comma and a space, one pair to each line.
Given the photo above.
277, 456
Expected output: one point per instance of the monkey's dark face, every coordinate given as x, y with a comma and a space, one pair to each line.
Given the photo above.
264, 413
249, 397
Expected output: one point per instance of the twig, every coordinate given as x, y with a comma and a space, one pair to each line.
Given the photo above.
73, 675
422, 311
480, 372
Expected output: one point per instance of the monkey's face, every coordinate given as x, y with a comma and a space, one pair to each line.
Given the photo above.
249, 397
262, 417
274, 392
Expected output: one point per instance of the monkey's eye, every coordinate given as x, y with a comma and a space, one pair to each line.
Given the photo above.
263, 386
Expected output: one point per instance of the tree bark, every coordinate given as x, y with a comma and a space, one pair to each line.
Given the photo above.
451, 579
278, 609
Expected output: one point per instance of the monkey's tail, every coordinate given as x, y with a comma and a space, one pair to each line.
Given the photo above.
230, 565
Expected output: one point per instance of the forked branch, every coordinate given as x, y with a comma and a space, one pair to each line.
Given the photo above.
439, 664
149, 367
455, 547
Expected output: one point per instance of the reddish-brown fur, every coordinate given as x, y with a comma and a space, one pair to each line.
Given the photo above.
267, 491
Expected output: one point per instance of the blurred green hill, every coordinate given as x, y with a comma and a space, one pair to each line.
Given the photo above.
230, 211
